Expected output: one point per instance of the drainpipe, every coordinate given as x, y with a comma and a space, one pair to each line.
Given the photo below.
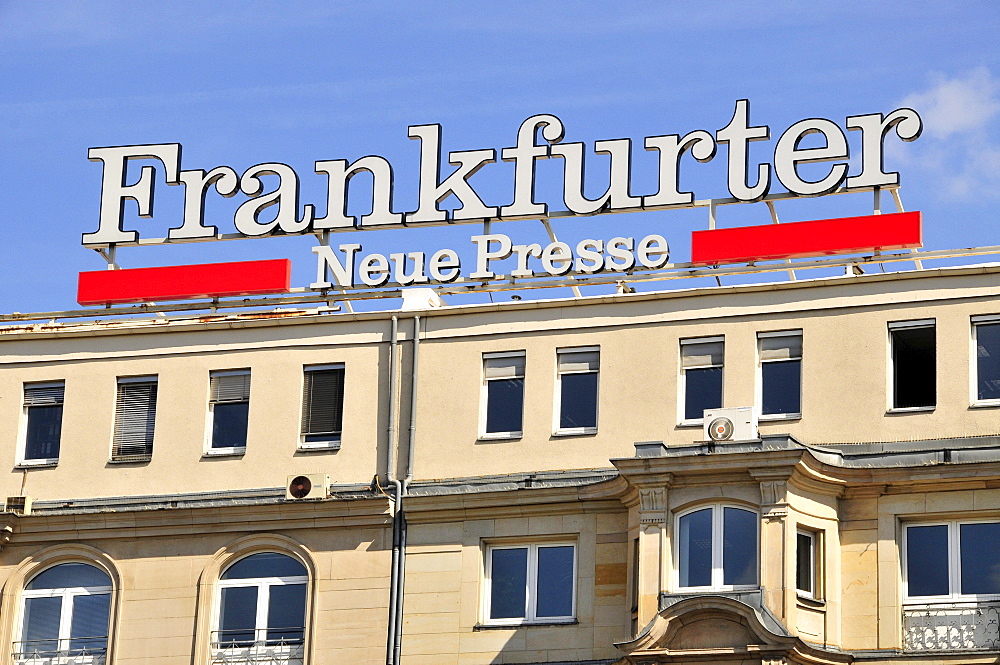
394, 586
401, 575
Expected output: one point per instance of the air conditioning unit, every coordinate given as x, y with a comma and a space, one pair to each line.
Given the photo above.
732, 424
309, 486
19, 505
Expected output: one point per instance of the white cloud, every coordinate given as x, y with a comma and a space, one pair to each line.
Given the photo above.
960, 145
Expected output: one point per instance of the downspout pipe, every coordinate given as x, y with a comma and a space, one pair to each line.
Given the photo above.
397, 646
395, 587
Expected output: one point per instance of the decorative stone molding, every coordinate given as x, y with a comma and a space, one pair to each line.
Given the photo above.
652, 505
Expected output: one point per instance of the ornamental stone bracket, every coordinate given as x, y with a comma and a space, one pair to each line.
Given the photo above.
652, 505
719, 630
773, 492
8, 522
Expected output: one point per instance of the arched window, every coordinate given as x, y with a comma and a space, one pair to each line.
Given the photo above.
262, 608
65, 615
716, 548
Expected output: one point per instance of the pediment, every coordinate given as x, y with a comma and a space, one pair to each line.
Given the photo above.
722, 629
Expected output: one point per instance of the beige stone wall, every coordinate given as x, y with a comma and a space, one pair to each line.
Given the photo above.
444, 590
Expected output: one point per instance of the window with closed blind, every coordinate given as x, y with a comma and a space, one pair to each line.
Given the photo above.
322, 406
576, 390
42, 429
229, 411
503, 395
135, 420
701, 377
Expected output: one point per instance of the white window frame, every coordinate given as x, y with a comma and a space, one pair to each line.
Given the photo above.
954, 565
974, 401
263, 585
890, 365
68, 595
209, 451
815, 564
557, 401
531, 591
334, 441
682, 377
22, 434
120, 381
759, 384
484, 396
718, 573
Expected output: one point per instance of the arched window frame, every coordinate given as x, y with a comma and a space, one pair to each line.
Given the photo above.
209, 594
263, 586
12, 603
718, 571
68, 597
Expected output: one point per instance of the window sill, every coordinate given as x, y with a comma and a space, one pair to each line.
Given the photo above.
579, 431
992, 404
779, 416
37, 463
224, 452
910, 409
318, 446
500, 436
131, 460
524, 624
809, 601
692, 423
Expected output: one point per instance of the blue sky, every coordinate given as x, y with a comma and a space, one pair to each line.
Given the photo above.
241, 83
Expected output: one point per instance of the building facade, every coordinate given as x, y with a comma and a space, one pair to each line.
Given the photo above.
525, 482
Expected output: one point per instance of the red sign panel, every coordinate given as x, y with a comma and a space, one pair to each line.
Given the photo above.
209, 280
849, 235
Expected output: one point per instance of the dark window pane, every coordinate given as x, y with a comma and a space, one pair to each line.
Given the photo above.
504, 400
41, 625
739, 547
914, 367
988, 360
555, 581
927, 560
508, 583
237, 616
979, 545
265, 564
286, 613
578, 400
781, 386
695, 540
804, 573
229, 424
702, 390
89, 629
44, 426
68, 575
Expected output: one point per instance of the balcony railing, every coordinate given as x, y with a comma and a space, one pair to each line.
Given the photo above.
77, 651
283, 647
952, 627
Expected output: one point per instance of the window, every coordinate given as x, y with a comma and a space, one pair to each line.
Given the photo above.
952, 560
913, 364
780, 355
986, 335
229, 409
322, 406
43, 410
66, 616
262, 610
701, 376
576, 408
717, 548
135, 420
503, 395
531, 583
808, 563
